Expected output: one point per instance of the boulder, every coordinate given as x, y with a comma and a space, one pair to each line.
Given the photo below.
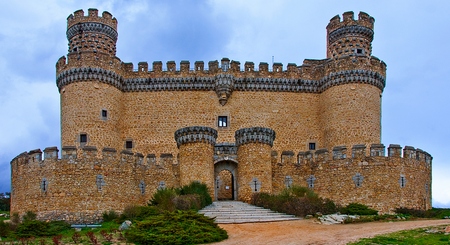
125, 225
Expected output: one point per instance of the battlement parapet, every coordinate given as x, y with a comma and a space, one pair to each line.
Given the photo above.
363, 25
359, 152
254, 135
195, 134
225, 83
89, 154
79, 17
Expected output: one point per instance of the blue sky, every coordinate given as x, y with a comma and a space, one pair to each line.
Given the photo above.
410, 36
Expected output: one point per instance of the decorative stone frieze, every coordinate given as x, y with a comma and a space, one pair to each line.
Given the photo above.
353, 30
254, 135
195, 134
92, 27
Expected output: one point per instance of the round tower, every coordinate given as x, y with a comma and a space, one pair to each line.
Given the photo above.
196, 155
254, 160
350, 105
89, 82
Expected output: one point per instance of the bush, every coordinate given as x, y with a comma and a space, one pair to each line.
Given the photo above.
110, 216
138, 213
188, 202
163, 199
197, 188
179, 227
36, 228
358, 209
28, 216
4, 229
297, 200
438, 213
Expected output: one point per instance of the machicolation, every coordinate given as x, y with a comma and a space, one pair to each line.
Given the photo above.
128, 131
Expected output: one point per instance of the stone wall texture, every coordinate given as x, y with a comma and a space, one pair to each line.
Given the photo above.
127, 131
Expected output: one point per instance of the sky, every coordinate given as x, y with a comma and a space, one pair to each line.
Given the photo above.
411, 36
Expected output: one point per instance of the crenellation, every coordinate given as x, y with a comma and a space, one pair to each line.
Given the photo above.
157, 66
339, 152
142, 67
263, 67
199, 66
377, 150
68, 152
249, 67
359, 151
35, 155
394, 150
51, 152
185, 66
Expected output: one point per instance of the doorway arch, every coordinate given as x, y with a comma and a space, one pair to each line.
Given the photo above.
225, 176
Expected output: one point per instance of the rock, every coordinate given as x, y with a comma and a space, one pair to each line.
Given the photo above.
125, 225
447, 230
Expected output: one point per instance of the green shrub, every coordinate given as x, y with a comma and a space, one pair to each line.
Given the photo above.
179, 227
4, 229
358, 209
31, 228
199, 189
138, 213
188, 202
163, 199
438, 213
110, 216
28, 216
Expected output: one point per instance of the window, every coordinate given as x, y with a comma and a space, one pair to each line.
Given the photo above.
128, 144
223, 121
83, 138
104, 114
312, 146
359, 51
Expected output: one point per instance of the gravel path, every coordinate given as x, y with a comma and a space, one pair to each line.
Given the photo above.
309, 232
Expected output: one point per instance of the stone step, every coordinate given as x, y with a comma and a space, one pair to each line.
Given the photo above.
227, 212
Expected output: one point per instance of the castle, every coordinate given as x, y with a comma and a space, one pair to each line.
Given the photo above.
126, 132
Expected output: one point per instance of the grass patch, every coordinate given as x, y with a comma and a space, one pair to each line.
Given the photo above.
430, 235
4, 215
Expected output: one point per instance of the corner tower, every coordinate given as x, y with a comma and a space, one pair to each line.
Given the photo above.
89, 82
353, 82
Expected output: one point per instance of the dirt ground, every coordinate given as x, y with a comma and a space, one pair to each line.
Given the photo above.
309, 232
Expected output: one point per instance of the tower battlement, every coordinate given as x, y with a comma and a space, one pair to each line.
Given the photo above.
78, 17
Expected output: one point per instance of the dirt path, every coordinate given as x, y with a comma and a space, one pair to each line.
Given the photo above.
309, 232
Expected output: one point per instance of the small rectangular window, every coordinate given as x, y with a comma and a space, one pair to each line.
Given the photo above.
312, 146
83, 138
104, 114
129, 144
223, 121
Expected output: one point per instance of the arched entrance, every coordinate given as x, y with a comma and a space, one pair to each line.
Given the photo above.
225, 187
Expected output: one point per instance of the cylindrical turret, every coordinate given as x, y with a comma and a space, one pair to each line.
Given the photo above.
350, 104
89, 82
254, 159
350, 37
196, 155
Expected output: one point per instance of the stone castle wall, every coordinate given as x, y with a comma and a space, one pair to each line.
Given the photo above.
350, 175
80, 186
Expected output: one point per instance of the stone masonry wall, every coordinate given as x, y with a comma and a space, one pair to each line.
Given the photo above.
349, 175
80, 189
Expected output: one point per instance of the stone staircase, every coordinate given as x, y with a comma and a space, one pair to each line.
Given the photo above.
233, 212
